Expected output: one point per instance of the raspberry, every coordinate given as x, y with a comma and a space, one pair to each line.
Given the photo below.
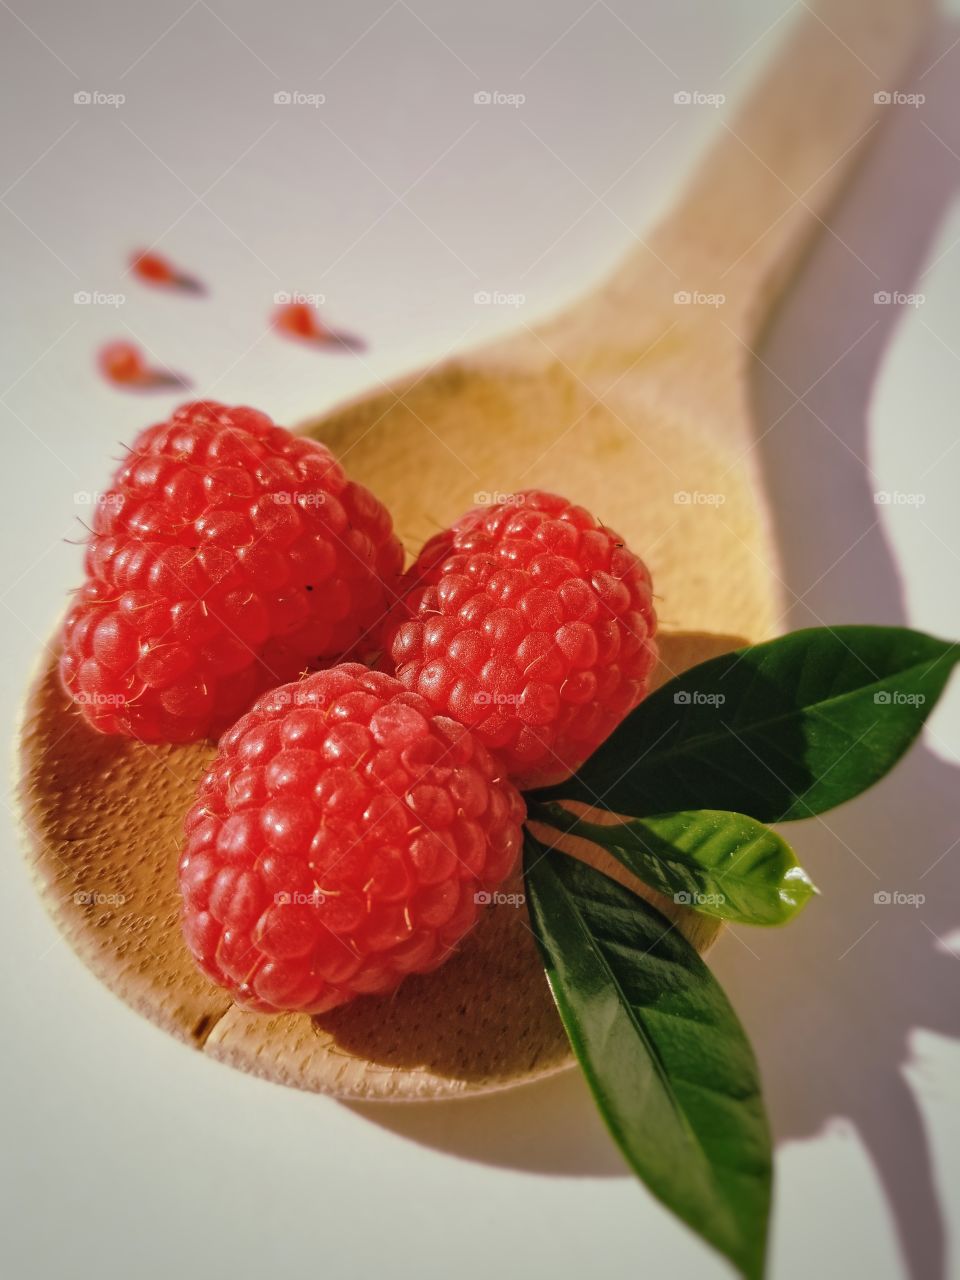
228, 557
344, 837
532, 624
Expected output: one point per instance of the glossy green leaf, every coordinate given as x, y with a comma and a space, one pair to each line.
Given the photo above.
720, 864
781, 730
669, 1065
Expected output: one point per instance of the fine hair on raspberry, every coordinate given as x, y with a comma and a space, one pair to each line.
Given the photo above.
228, 556
344, 837
532, 623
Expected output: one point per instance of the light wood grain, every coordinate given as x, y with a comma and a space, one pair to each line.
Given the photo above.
629, 403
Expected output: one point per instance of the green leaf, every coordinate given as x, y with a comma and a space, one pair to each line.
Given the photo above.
778, 731
720, 864
669, 1065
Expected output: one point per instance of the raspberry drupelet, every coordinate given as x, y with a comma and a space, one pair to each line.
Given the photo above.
531, 623
343, 838
228, 556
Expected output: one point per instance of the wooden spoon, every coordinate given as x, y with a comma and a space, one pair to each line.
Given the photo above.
635, 403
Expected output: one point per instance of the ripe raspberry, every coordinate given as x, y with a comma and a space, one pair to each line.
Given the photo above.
532, 624
228, 556
344, 837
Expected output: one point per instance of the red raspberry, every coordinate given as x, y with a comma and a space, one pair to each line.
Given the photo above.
344, 837
532, 624
228, 556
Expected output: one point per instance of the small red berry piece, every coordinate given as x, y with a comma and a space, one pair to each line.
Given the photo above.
343, 838
122, 362
228, 556
153, 268
531, 623
300, 320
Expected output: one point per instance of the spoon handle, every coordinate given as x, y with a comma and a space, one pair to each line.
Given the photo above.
760, 194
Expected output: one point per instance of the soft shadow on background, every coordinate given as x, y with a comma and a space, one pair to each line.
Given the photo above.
831, 1004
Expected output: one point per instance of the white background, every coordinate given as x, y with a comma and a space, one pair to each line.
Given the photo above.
398, 199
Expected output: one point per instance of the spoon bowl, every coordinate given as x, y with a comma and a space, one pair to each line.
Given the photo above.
635, 403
